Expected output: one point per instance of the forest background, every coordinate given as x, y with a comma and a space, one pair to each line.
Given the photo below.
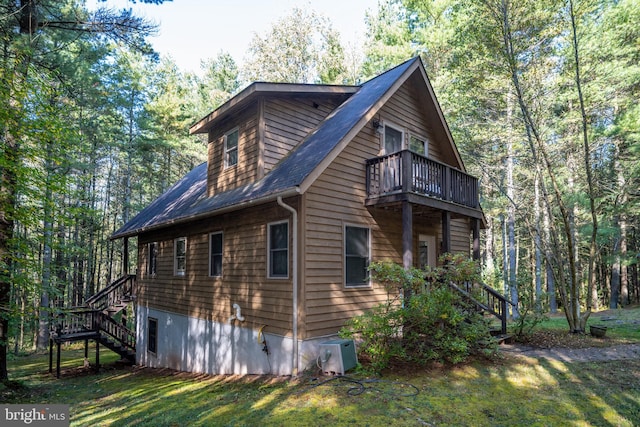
540, 96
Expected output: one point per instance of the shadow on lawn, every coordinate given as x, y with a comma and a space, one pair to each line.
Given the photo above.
509, 391
599, 391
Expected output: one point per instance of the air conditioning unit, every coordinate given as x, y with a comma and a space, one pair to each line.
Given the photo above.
337, 357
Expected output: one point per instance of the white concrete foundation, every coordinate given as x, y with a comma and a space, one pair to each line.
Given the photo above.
198, 345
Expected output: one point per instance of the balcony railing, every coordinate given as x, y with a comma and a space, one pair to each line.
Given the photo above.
408, 172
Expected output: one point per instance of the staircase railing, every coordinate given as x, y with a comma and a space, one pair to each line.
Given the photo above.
123, 335
487, 299
74, 321
114, 293
94, 318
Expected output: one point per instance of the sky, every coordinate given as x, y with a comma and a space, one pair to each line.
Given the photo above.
193, 30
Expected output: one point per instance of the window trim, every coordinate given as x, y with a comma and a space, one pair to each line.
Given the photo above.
395, 127
227, 150
152, 259
177, 272
269, 251
151, 320
221, 234
425, 142
367, 283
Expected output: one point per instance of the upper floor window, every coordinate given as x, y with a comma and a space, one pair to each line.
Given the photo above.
418, 145
152, 258
180, 256
356, 256
278, 244
392, 139
231, 149
215, 254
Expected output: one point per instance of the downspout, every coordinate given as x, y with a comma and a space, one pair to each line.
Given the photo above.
294, 361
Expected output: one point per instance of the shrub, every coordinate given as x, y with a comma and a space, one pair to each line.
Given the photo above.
436, 324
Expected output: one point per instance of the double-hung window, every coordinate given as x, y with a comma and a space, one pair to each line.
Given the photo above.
152, 259
215, 254
180, 256
231, 149
356, 256
278, 244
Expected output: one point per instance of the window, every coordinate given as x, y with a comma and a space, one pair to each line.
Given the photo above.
215, 254
152, 335
418, 145
278, 243
231, 149
392, 139
356, 255
152, 258
180, 256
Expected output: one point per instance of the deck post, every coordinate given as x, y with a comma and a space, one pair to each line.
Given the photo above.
125, 256
476, 239
86, 349
97, 354
407, 241
446, 232
58, 360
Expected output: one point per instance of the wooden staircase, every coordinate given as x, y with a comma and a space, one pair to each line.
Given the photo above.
96, 320
489, 301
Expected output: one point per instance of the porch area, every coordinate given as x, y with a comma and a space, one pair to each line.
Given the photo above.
413, 183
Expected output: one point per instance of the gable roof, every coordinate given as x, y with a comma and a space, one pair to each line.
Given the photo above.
187, 199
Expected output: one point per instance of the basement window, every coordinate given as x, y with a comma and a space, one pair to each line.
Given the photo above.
152, 335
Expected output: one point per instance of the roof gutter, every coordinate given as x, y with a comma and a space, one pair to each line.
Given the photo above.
294, 357
286, 193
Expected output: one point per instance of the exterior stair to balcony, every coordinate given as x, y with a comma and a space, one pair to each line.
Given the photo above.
103, 318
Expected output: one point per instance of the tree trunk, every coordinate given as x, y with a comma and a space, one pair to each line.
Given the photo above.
8, 177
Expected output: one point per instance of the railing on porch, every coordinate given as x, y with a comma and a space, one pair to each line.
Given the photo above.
406, 171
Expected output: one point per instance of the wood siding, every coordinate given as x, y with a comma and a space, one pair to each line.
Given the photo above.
263, 301
337, 198
220, 178
289, 120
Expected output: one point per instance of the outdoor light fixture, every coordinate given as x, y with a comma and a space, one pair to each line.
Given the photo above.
377, 126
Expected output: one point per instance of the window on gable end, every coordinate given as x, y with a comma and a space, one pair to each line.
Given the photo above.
231, 149
419, 145
393, 137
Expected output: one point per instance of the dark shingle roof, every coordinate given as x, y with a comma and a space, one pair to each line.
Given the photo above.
187, 198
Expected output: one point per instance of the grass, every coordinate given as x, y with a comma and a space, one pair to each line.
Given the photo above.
506, 391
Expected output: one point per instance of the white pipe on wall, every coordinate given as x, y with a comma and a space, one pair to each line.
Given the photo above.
294, 273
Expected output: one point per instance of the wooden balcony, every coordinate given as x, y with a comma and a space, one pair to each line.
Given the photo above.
407, 176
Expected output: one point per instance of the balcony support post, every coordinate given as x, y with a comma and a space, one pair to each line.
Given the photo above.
407, 241
446, 232
475, 224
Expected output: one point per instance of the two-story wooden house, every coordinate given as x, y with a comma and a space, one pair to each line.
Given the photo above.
260, 254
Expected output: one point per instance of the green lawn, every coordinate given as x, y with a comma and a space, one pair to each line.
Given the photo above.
507, 391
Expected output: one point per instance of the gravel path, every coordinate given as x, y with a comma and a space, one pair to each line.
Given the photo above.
593, 354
